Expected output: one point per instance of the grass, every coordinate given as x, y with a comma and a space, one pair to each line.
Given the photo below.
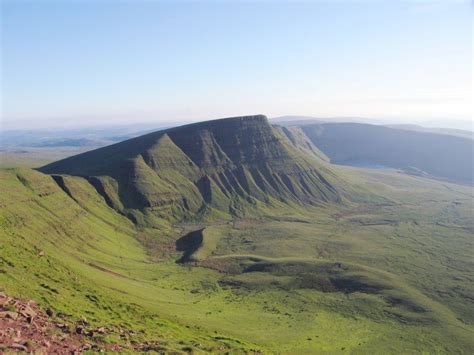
392, 275
199, 244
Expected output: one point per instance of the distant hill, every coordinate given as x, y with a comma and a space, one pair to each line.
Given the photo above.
73, 137
72, 142
439, 155
448, 131
227, 165
296, 121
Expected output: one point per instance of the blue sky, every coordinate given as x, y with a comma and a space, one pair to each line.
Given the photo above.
98, 62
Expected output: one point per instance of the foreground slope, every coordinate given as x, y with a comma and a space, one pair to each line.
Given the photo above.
392, 277
79, 257
226, 166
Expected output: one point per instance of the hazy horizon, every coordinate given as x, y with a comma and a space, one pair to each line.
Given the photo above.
77, 122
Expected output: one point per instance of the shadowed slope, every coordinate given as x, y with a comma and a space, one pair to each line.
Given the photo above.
421, 153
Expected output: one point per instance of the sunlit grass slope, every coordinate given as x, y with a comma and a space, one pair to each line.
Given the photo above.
388, 275
80, 258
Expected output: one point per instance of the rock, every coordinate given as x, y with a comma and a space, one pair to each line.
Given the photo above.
4, 300
10, 315
100, 330
18, 347
28, 313
25, 343
41, 253
46, 343
49, 312
79, 329
17, 337
62, 326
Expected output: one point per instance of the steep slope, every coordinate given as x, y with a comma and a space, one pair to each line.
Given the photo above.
227, 165
442, 156
301, 141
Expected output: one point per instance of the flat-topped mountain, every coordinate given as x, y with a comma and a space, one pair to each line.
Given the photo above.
226, 165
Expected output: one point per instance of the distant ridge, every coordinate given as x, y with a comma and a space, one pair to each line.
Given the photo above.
228, 165
431, 154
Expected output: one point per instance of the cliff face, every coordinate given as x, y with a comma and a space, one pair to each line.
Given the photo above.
226, 165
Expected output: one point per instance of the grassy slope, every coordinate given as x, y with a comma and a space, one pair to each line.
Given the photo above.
420, 244
91, 259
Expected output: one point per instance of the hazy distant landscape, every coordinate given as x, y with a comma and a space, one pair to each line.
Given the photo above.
220, 177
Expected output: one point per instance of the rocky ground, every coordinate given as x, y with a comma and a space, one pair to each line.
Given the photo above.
24, 327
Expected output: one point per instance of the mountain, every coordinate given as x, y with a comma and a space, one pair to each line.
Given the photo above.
223, 166
439, 155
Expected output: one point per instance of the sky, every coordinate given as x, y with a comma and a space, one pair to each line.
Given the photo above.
75, 63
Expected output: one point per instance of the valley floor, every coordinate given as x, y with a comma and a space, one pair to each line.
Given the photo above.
394, 275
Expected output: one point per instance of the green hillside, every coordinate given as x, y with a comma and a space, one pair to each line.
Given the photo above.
367, 278
348, 260
77, 256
